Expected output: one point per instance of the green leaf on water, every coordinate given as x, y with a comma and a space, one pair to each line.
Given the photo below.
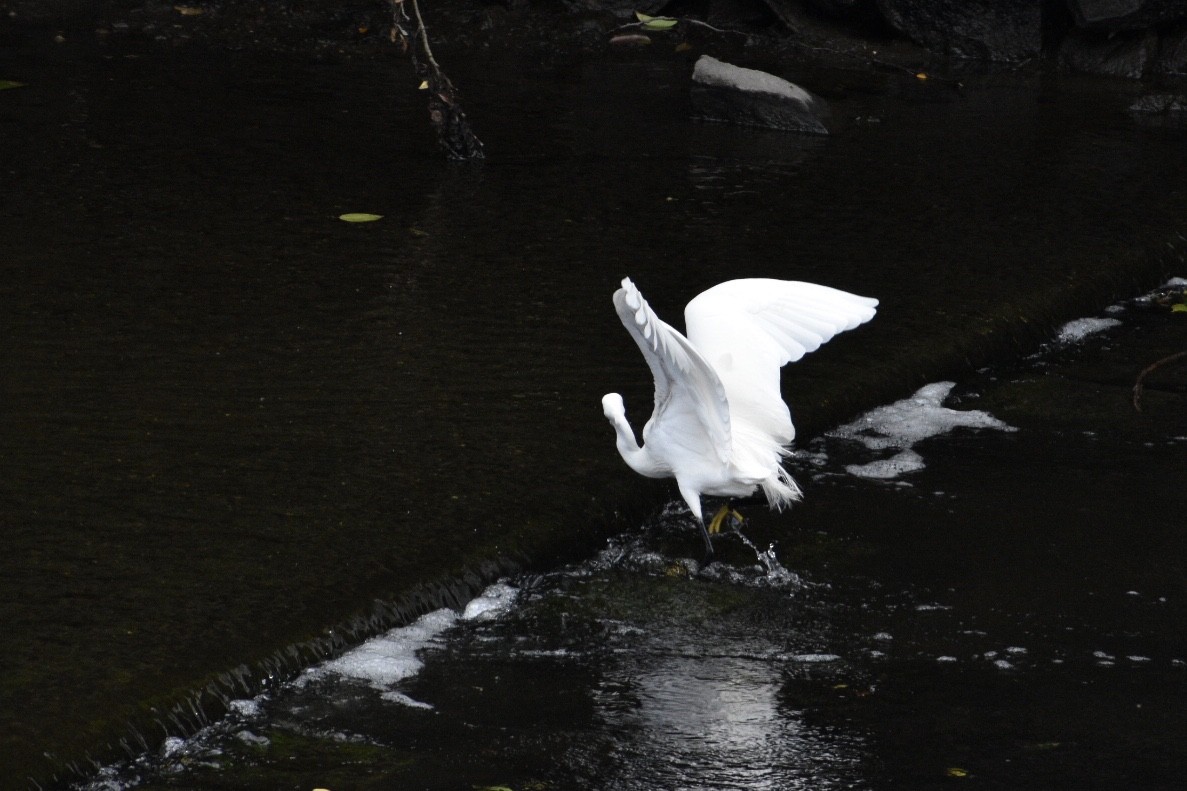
357, 216
1181, 307
6, 84
656, 22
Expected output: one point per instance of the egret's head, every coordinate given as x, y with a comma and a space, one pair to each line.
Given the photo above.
613, 408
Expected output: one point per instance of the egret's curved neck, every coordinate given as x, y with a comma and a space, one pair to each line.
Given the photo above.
637, 458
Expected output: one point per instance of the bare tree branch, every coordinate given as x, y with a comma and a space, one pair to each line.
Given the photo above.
445, 111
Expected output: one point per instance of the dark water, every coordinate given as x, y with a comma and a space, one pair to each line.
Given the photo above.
231, 422
958, 625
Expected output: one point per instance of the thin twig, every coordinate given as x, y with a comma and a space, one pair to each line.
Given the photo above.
424, 36
1139, 387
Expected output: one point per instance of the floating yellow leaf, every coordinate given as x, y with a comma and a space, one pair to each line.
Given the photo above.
189, 10
683, 46
1179, 308
956, 771
6, 84
921, 75
424, 85
358, 216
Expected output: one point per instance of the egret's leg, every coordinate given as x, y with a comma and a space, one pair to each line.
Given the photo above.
720, 516
708, 543
693, 498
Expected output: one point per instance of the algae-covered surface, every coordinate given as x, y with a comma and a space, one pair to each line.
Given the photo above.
239, 434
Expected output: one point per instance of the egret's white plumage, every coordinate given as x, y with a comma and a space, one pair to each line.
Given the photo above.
720, 426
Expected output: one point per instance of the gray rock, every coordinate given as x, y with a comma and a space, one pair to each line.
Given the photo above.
732, 94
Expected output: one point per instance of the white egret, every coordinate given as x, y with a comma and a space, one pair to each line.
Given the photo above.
720, 426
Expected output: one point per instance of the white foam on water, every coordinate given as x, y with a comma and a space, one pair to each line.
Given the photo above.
885, 469
392, 657
899, 426
248, 708
1079, 329
494, 602
814, 658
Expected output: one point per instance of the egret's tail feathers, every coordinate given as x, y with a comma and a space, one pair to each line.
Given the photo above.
781, 490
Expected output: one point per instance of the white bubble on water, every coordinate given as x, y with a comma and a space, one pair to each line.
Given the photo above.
1078, 329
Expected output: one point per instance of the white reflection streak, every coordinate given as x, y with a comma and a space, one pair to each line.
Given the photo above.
707, 723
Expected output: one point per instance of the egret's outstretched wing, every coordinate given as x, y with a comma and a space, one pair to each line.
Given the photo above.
749, 329
684, 382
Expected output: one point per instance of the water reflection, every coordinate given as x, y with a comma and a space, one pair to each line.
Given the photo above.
717, 722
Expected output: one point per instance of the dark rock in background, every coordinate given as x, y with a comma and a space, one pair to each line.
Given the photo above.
991, 30
731, 94
1160, 103
1172, 52
620, 8
1126, 14
1127, 55
1134, 54
859, 12
1133, 39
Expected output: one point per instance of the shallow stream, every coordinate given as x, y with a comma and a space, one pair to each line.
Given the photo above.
238, 434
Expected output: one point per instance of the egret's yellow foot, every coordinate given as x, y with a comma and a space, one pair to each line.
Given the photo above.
720, 516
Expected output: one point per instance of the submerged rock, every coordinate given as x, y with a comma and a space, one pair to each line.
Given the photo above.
732, 94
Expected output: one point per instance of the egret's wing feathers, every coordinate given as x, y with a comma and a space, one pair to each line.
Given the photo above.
682, 376
748, 329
